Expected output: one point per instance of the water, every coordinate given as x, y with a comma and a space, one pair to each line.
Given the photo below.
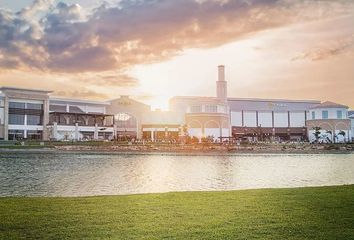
80, 174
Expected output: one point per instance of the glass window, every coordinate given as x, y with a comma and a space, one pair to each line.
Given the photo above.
34, 120
17, 105
211, 108
16, 134
16, 119
339, 114
324, 114
34, 106
34, 135
195, 109
313, 115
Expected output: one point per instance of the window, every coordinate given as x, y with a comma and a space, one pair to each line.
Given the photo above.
17, 105
313, 115
195, 109
339, 114
16, 119
16, 134
324, 114
34, 135
34, 120
211, 108
34, 106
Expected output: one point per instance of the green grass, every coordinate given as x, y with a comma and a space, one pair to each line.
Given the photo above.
304, 213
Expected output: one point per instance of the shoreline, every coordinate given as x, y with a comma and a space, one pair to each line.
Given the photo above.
176, 192
188, 150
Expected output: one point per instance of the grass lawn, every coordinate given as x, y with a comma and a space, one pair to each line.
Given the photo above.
304, 213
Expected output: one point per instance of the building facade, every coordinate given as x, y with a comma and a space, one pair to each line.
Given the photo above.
270, 119
329, 123
37, 115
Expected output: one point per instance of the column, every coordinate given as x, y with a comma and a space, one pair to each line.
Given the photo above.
45, 119
95, 135
114, 132
220, 129
55, 130
6, 118
152, 135
76, 131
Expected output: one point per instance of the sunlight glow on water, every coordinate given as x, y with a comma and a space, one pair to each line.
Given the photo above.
70, 174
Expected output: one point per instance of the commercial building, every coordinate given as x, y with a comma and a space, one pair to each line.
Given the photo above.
36, 114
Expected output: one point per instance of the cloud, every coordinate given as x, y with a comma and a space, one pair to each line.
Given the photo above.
67, 39
35, 7
328, 50
111, 79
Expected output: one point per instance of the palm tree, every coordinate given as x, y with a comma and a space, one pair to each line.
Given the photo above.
342, 133
317, 133
329, 139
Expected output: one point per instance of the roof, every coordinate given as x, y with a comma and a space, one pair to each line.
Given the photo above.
247, 99
329, 104
24, 90
58, 100
272, 100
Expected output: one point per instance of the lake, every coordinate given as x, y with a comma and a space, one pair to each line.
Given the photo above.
91, 174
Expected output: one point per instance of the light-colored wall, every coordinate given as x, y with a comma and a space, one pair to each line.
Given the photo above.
265, 119
297, 119
249, 119
236, 118
163, 117
281, 119
332, 113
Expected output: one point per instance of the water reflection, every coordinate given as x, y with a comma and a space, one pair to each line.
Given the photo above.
70, 174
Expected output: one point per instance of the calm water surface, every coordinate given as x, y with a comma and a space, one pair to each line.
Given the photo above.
78, 174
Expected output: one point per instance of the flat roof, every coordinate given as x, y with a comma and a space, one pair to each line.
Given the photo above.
82, 101
24, 90
249, 99
273, 100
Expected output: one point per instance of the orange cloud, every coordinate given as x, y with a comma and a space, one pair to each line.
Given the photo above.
138, 32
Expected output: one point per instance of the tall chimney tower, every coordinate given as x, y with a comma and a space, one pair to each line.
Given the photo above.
221, 84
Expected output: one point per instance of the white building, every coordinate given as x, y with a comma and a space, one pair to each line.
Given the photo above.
270, 118
329, 123
36, 114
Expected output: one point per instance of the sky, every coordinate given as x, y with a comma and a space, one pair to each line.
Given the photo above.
156, 49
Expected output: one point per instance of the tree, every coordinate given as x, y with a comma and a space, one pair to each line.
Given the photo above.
317, 133
342, 133
329, 139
